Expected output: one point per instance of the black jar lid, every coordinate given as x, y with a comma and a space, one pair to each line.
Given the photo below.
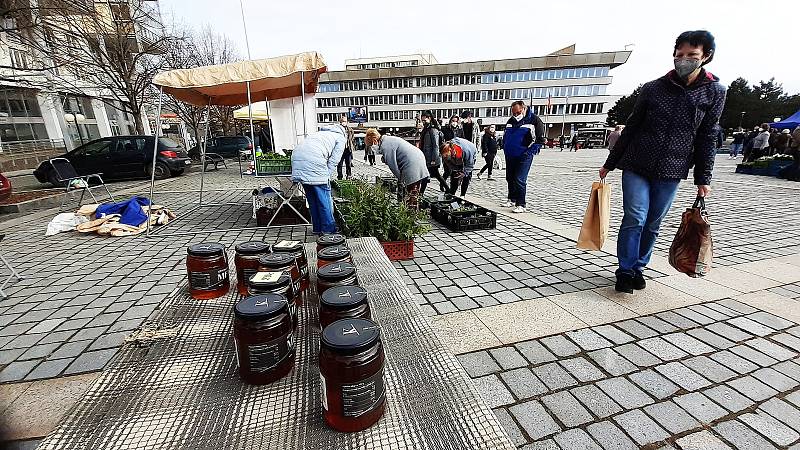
336, 271
261, 307
276, 260
344, 297
206, 249
327, 240
287, 246
252, 248
269, 280
350, 335
334, 253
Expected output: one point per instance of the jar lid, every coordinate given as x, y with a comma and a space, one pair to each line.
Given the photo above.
206, 249
336, 271
334, 253
327, 240
350, 335
260, 307
269, 280
287, 246
343, 297
276, 260
252, 248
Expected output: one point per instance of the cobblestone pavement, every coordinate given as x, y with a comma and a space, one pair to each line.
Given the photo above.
702, 377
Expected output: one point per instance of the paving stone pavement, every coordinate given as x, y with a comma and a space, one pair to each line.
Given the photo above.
731, 379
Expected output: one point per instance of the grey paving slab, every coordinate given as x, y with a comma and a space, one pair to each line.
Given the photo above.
750, 326
688, 343
512, 429
535, 352
478, 363
567, 409
610, 436
755, 356
709, 369
614, 334
734, 362
534, 419
771, 349
582, 369
596, 401
17, 370
493, 391
700, 407
588, 340
576, 439
709, 338
662, 349
612, 362
624, 392
637, 355
775, 379
523, 383
554, 376
508, 358
671, 417
654, 384
782, 411
90, 361
683, 376
731, 333
771, 320
560, 346
547, 444
48, 369
641, 428
771, 428
702, 440
752, 388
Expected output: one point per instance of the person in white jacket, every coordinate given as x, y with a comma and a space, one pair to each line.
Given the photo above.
314, 163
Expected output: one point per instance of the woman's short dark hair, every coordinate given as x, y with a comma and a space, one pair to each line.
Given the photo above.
698, 38
427, 113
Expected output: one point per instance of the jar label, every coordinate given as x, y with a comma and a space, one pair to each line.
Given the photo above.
266, 356
323, 392
267, 277
286, 244
208, 281
247, 273
362, 397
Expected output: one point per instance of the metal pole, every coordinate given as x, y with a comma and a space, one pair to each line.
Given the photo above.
155, 150
303, 101
563, 119
294, 122
270, 122
203, 149
244, 25
250, 118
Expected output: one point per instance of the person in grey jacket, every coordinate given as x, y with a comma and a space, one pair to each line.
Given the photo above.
459, 157
430, 141
314, 163
761, 142
406, 162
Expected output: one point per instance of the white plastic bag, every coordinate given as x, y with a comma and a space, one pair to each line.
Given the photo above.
64, 222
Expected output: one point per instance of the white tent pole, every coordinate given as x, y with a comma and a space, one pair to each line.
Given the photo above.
270, 122
294, 122
203, 149
244, 25
303, 102
250, 118
155, 152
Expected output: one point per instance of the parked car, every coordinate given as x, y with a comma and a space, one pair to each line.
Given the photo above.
226, 146
5, 187
122, 157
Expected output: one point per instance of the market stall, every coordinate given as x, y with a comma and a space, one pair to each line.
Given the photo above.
273, 79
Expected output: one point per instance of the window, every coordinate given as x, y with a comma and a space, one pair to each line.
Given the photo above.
130, 145
99, 148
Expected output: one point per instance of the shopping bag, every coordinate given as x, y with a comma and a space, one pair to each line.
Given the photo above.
692, 249
594, 230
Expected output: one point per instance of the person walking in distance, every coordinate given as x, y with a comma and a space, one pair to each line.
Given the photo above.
760, 142
347, 156
522, 139
613, 137
431, 139
452, 129
671, 129
488, 150
736, 145
470, 129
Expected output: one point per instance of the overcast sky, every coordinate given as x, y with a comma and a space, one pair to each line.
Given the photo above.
754, 44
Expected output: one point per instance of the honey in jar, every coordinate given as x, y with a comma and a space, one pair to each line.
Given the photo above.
246, 261
207, 268
343, 302
296, 249
264, 338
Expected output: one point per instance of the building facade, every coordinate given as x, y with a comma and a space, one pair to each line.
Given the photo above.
562, 87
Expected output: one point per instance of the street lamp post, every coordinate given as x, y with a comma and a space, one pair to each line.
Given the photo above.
740, 119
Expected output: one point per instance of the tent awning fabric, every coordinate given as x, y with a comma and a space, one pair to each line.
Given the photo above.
790, 122
225, 84
259, 112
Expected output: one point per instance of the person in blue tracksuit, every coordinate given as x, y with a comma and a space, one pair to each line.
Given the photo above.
522, 140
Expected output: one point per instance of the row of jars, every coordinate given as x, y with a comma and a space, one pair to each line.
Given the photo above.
351, 354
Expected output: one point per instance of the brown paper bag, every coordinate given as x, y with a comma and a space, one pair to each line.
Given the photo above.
594, 230
692, 250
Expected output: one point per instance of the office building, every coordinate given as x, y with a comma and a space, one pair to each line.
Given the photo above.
563, 87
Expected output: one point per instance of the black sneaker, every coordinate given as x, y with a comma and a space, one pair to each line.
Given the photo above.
624, 284
638, 281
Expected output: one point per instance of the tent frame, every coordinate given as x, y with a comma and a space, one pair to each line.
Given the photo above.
285, 201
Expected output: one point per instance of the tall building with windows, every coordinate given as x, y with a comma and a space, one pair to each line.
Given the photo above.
562, 87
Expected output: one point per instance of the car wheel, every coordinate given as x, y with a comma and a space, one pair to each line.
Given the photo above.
176, 173
162, 171
52, 178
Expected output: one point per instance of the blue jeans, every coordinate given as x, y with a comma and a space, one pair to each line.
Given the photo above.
320, 203
517, 168
735, 149
645, 202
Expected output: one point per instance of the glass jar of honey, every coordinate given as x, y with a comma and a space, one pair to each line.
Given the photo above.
274, 283
296, 249
246, 261
264, 338
207, 268
351, 363
328, 255
329, 240
343, 302
335, 274
283, 262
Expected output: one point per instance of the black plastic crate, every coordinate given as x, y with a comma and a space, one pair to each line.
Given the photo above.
477, 219
389, 183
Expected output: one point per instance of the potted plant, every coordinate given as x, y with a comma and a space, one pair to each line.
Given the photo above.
369, 210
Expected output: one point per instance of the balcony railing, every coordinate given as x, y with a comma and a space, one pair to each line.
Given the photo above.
18, 155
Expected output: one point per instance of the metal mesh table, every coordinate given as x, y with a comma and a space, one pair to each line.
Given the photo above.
177, 386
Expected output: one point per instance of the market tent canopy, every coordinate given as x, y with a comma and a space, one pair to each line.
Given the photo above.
259, 112
225, 84
790, 122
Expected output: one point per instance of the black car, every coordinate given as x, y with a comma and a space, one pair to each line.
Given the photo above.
226, 146
122, 157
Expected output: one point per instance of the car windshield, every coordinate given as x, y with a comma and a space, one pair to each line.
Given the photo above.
167, 142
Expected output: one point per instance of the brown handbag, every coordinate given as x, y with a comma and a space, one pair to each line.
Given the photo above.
692, 249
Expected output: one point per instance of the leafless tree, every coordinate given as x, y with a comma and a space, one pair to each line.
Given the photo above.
108, 50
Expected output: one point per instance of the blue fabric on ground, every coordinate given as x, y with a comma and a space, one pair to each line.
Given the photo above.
130, 210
